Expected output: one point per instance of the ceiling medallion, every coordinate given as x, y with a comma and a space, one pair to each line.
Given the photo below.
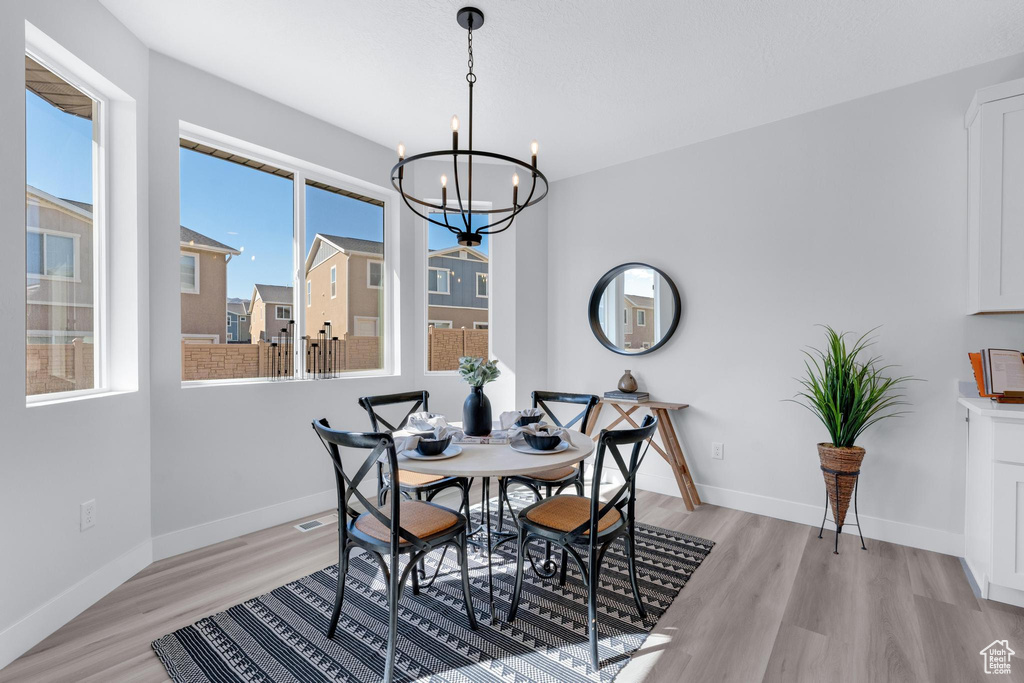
457, 216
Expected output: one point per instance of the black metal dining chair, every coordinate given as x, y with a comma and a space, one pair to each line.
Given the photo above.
565, 520
412, 485
403, 527
556, 480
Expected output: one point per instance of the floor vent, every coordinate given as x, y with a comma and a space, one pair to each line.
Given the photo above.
317, 523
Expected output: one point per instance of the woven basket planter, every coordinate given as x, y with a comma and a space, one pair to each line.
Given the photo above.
840, 460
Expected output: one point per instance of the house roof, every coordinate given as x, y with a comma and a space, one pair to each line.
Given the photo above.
354, 244
273, 294
444, 252
641, 301
237, 307
191, 238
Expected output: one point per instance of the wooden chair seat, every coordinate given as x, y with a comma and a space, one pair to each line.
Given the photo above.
552, 475
565, 513
407, 478
420, 519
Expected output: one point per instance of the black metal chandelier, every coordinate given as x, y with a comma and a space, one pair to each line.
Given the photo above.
498, 220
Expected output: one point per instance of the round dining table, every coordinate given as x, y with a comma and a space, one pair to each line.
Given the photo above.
487, 460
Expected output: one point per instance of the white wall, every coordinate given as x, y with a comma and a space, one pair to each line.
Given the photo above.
218, 471
854, 216
54, 457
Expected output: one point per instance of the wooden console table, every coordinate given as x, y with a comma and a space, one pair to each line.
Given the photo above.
672, 451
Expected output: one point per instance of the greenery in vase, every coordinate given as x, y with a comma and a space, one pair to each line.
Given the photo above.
847, 389
477, 372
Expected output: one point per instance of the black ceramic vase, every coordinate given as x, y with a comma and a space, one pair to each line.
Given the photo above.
476, 413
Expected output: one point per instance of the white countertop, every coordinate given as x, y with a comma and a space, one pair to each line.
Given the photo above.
989, 408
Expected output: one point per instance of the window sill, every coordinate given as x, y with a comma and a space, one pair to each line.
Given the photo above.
73, 396
248, 381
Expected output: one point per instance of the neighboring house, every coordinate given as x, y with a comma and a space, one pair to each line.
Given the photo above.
238, 321
458, 288
269, 312
59, 286
344, 286
638, 317
204, 287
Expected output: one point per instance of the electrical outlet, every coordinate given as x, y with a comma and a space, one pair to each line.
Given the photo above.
88, 514
717, 451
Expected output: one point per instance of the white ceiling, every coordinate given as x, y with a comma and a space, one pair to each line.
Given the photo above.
597, 82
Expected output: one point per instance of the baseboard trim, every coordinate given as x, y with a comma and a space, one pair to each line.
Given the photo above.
208, 533
26, 633
925, 538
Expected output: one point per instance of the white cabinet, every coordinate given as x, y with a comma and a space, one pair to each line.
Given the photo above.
994, 505
995, 199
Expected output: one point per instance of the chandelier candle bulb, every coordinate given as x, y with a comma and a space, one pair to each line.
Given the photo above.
444, 191
515, 189
455, 132
401, 158
533, 152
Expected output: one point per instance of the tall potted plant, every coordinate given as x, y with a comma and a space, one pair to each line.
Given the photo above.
847, 389
476, 411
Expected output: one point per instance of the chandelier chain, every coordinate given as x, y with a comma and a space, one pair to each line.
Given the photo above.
471, 77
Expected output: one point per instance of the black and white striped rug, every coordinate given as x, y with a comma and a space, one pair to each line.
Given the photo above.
280, 636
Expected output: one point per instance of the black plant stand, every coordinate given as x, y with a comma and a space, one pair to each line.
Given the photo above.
856, 513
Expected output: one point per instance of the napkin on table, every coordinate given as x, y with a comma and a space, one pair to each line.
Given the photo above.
425, 422
509, 418
409, 443
547, 430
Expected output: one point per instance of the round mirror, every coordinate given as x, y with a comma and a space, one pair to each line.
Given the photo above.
634, 309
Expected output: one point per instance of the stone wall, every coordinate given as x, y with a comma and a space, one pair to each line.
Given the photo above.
446, 346
51, 368
261, 359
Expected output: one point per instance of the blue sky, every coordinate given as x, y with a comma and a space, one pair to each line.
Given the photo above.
244, 208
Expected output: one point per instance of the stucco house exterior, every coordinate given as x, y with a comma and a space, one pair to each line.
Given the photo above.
238, 321
59, 266
457, 288
638, 317
204, 287
344, 286
270, 309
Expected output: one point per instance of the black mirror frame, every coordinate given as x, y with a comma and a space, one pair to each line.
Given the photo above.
595, 304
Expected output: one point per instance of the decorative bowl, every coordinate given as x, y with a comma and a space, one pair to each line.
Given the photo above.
528, 420
432, 446
542, 442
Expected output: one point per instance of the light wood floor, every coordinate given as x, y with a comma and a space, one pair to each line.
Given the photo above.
771, 603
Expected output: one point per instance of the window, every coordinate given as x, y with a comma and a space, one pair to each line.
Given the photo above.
64, 307
625, 316
374, 274
229, 319
345, 256
238, 204
231, 336
189, 274
457, 291
242, 318
439, 281
641, 317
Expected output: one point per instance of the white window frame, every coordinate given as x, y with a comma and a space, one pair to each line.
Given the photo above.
369, 268
241, 318
448, 279
81, 76
195, 259
486, 326
389, 322
230, 337
277, 312
435, 323
376, 325
334, 282
76, 265
309, 293
486, 280
641, 315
